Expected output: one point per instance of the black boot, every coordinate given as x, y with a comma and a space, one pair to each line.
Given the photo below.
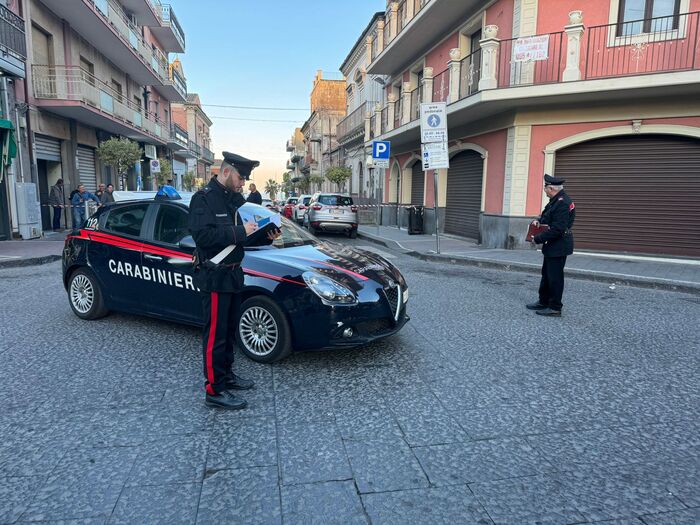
238, 383
535, 306
549, 312
226, 400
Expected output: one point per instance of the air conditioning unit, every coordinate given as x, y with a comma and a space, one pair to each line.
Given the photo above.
28, 210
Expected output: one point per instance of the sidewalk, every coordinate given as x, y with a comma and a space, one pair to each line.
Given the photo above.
35, 251
653, 272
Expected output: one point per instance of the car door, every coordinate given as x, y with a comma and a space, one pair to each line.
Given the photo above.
114, 255
167, 258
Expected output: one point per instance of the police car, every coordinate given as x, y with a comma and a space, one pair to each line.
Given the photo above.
135, 256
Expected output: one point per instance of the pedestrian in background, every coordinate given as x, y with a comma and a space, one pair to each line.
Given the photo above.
107, 196
57, 201
557, 243
100, 191
78, 202
254, 195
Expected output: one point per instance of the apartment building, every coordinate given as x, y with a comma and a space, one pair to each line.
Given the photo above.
600, 92
365, 97
189, 117
296, 150
320, 135
99, 68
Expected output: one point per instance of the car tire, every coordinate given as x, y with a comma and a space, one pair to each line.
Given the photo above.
263, 332
85, 295
353, 234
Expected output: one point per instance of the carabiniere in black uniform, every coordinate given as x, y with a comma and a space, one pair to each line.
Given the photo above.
216, 224
557, 243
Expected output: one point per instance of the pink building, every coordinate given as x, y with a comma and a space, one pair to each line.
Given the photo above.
191, 117
600, 92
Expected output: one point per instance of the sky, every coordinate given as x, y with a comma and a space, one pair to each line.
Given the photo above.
264, 53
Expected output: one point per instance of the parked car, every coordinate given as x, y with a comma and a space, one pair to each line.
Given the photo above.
301, 207
288, 208
135, 256
332, 212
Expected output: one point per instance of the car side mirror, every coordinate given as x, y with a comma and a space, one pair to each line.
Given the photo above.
187, 243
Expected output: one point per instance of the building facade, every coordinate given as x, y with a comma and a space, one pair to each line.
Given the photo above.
191, 117
365, 95
601, 92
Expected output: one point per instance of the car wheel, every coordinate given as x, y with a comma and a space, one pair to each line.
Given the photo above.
263, 331
85, 295
353, 234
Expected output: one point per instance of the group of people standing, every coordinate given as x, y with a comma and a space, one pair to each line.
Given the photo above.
76, 201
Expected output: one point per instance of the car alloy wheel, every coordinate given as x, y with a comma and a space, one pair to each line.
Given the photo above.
82, 294
259, 331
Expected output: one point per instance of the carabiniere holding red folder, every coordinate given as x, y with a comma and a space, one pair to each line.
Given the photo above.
553, 231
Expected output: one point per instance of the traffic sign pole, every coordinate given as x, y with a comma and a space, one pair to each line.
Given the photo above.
436, 184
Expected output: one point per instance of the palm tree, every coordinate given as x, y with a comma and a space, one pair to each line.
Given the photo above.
271, 188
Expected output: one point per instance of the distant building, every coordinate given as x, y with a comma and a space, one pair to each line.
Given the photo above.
191, 117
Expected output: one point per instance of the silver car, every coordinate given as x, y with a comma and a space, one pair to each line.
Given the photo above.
299, 211
332, 212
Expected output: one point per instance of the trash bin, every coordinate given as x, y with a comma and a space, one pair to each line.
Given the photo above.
415, 220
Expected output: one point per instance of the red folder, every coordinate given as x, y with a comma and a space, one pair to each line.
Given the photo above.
535, 230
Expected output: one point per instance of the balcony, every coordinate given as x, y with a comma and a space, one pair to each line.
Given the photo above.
104, 24
207, 155
194, 149
290, 146
168, 31
179, 138
13, 46
175, 88
73, 93
145, 11
613, 62
352, 127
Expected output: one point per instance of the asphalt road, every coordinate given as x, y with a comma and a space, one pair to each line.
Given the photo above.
477, 412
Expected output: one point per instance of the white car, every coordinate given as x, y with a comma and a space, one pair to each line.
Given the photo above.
301, 208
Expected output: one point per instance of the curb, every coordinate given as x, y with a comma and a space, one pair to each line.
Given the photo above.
29, 261
639, 282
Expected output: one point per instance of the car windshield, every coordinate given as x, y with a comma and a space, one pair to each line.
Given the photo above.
292, 235
335, 200
306, 200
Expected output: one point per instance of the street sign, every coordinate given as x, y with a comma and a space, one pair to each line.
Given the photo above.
433, 122
435, 156
155, 166
381, 151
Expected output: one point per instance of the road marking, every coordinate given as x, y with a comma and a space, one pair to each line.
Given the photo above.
693, 262
378, 252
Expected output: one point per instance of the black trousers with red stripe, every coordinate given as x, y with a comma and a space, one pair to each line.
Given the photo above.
221, 314
552, 282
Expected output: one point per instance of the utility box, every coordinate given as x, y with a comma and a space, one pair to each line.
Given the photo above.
28, 210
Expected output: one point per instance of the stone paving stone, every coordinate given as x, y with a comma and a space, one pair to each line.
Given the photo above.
491, 460
294, 406
535, 500
381, 465
443, 505
15, 496
247, 496
33, 448
101, 520
328, 503
242, 442
119, 427
170, 459
157, 504
86, 483
679, 476
367, 421
311, 452
679, 517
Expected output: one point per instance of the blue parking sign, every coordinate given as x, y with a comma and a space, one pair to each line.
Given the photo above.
381, 149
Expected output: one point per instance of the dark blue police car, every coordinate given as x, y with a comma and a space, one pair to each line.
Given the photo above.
135, 256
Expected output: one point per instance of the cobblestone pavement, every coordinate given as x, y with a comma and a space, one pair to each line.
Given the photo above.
477, 412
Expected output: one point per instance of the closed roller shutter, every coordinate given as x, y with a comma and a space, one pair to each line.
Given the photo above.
638, 193
86, 168
47, 148
417, 184
464, 180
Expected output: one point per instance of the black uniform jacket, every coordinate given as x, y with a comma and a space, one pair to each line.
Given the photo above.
214, 225
559, 215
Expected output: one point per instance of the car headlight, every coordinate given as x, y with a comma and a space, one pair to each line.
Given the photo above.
330, 291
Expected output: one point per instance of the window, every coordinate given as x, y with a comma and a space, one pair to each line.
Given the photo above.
137, 103
126, 220
171, 224
335, 200
117, 87
87, 71
647, 16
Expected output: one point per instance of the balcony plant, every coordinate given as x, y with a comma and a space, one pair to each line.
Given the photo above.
120, 154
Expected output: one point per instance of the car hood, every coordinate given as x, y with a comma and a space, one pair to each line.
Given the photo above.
347, 265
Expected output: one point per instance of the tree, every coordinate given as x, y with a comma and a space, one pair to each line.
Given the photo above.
188, 181
338, 175
166, 172
271, 188
121, 154
318, 180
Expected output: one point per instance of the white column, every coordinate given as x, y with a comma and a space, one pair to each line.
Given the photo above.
393, 21
368, 44
427, 83
406, 103
574, 31
380, 36
489, 58
454, 65
368, 126
391, 111
377, 120
410, 12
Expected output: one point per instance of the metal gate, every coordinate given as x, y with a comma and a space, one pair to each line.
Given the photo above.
637, 193
47, 148
86, 168
464, 180
417, 184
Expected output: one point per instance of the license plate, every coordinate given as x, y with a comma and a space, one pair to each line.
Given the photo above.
335, 212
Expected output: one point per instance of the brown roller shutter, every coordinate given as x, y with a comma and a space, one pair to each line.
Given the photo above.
637, 193
417, 184
464, 182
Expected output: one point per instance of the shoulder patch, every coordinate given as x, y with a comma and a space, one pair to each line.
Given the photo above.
571, 206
